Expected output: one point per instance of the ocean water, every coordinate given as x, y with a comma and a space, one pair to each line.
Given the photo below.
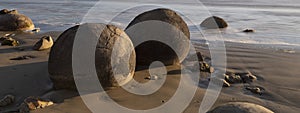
276, 22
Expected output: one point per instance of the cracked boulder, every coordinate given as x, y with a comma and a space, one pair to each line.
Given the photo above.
114, 60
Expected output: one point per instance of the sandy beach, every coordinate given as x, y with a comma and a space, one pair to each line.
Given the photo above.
277, 72
149, 41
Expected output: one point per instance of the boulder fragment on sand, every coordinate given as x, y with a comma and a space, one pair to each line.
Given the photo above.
240, 107
9, 41
13, 21
255, 89
247, 77
33, 103
60, 59
46, 42
248, 30
151, 30
214, 22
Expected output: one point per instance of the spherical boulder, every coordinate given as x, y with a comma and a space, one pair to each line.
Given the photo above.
159, 35
214, 22
112, 43
13, 21
240, 107
44, 43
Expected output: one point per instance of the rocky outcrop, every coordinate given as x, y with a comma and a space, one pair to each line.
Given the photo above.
14, 21
214, 22
158, 35
60, 60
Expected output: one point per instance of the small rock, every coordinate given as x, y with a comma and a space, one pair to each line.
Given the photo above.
225, 83
204, 67
218, 80
148, 78
7, 100
232, 78
9, 35
44, 43
25, 57
153, 77
36, 30
248, 77
248, 30
33, 103
9, 41
255, 89
211, 69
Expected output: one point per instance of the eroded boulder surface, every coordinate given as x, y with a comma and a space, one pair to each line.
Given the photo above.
14, 21
60, 60
159, 35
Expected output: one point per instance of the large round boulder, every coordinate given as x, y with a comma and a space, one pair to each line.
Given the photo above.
13, 21
159, 35
112, 54
240, 107
214, 22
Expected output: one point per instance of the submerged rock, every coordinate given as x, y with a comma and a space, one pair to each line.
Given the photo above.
240, 107
44, 43
60, 59
13, 21
151, 30
214, 22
